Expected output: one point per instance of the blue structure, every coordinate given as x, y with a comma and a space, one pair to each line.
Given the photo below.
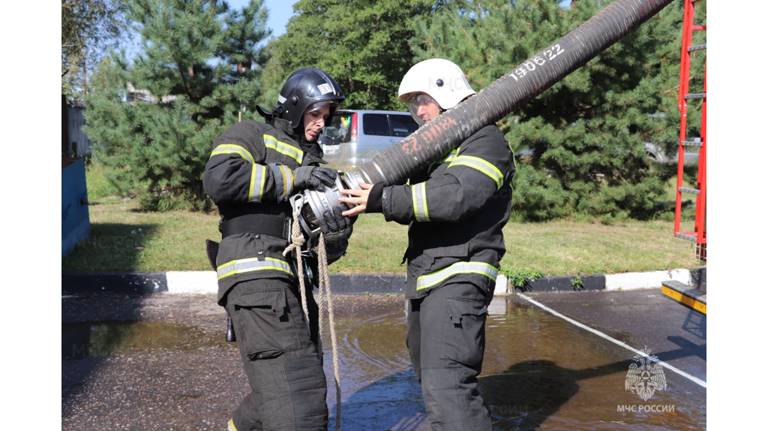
75, 223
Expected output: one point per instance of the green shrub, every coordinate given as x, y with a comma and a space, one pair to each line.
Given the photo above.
519, 277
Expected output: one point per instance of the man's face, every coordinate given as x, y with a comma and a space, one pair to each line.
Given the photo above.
314, 120
423, 107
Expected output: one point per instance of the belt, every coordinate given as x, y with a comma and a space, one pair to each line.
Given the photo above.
267, 224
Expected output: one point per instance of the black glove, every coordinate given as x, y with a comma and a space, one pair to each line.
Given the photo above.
334, 221
313, 177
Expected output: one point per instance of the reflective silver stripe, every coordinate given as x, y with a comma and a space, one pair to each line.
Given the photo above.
481, 165
240, 266
283, 176
277, 177
285, 149
258, 177
287, 180
419, 197
431, 280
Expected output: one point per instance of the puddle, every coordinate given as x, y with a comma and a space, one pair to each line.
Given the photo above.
100, 339
539, 372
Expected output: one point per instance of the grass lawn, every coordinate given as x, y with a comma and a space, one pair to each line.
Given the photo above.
126, 239
570, 247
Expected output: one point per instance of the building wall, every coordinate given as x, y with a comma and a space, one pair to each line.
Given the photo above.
75, 222
76, 144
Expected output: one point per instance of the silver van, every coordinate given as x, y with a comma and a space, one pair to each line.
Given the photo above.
354, 136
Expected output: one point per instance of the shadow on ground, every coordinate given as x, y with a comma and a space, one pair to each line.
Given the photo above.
522, 397
110, 247
88, 340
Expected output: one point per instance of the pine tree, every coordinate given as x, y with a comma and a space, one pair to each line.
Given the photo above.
363, 44
199, 69
586, 133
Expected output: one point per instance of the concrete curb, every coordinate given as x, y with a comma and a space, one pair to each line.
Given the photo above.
621, 281
636, 280
204, 282
114, 282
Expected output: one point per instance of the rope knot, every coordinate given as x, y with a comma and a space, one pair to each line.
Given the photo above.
297, 239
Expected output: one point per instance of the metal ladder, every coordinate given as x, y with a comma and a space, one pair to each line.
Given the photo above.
699, 234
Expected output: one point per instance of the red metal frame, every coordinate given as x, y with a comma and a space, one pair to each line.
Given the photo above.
699, 235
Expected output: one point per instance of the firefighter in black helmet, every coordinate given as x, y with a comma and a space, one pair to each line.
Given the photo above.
252, 171
456, 209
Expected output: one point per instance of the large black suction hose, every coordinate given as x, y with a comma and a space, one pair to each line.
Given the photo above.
529, 79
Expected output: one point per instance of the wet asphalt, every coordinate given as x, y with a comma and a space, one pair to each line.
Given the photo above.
641, 318
160, 362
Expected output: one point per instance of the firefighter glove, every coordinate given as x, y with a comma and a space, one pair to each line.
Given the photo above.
313, 177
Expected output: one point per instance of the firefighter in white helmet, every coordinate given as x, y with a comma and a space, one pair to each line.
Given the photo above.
439, 79
456, 210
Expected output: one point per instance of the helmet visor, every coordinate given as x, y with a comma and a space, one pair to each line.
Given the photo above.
416, 101
319, 106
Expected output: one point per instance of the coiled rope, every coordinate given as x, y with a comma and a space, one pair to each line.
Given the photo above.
325, 297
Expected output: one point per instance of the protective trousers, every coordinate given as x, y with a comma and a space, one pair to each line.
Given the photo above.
446, 342
282, 360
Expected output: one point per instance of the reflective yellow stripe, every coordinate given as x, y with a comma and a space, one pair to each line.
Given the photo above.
684, 299
258, 172
431, 280
232, 149
451, 156
481, 165
419, 197
283, 148
231, 425
240, 266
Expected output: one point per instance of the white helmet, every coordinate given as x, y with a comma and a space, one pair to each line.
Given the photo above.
442, 79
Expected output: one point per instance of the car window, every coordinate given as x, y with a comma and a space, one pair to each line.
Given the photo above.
375, 124
340, 126
402, 125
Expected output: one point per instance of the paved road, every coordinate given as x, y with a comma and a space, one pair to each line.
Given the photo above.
160, 362
640, 318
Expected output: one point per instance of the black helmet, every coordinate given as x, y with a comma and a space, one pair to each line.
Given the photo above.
301, 90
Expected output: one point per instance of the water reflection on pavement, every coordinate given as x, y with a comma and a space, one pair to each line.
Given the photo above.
539, 372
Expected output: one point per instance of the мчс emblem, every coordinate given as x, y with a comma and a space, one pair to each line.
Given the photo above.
645, 376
